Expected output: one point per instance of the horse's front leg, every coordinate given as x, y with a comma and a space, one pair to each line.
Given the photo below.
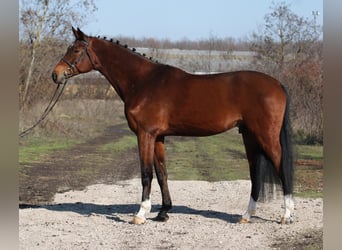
146, 152
159, 165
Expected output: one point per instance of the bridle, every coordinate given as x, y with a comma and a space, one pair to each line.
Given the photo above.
73, 65
59, 91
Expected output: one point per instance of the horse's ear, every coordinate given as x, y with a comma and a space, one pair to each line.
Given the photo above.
79, 35
75, 32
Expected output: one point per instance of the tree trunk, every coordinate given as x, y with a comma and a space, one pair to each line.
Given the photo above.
29, 76
35, 44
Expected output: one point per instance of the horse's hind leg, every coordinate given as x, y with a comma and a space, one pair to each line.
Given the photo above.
252, 149
279, 152
160, 168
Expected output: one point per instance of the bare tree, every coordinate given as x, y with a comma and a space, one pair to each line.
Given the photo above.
285, 34
289, 48
43, 20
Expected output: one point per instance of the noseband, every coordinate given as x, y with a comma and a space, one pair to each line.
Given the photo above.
73, 65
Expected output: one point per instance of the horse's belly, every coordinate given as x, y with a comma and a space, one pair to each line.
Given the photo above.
204, 125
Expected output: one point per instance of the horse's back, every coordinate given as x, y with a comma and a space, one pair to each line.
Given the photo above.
180, 103
210, 104
236, 91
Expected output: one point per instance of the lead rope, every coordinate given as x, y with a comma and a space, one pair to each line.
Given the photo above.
48, 109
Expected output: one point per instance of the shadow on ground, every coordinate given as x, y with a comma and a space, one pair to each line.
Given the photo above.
111, 211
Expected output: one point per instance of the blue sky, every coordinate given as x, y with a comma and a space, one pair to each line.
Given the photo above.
191, 19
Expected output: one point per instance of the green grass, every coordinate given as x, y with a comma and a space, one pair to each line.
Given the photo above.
309, 194
222, 157
37, 149
308, 152
309, 179
214, 158
125, 143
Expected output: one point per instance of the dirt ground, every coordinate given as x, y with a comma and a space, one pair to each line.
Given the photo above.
58, 211
41, 180
204, 216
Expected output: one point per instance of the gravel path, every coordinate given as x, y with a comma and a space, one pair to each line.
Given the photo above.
204, 216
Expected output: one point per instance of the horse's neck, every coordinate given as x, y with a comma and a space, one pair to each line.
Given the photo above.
122, 68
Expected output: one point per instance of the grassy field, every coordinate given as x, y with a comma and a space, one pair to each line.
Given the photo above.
215, 158
37, 149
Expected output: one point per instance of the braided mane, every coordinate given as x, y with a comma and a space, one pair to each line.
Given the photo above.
117, 42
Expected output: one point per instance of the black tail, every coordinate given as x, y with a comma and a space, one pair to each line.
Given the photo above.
265, 171
287, 166
265, 181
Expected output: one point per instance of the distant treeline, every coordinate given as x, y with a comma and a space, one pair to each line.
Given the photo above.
211, 43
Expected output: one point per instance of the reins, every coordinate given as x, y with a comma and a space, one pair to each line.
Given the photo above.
52, 103
57, 93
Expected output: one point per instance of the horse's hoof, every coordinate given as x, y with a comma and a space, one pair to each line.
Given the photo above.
286, 221
243, 221
162, 217
138, 220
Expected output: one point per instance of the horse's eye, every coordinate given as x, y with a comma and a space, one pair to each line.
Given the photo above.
76, 50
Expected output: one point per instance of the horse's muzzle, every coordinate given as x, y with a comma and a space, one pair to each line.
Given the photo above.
58, 79
54, 77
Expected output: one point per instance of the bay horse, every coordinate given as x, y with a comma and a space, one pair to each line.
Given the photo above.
161, 100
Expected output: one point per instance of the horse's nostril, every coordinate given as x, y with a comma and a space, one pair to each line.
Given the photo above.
54, 76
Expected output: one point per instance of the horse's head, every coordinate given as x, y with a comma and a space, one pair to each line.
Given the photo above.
78, 59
